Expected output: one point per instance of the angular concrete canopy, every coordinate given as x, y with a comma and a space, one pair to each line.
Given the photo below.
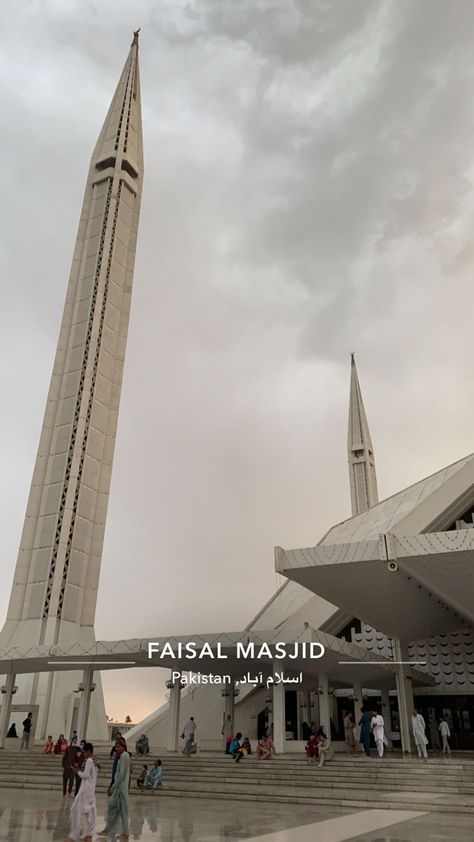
394, 567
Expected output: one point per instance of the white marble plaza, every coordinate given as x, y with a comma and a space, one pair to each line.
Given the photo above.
28, 816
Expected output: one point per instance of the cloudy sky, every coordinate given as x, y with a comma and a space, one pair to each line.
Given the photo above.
308, 192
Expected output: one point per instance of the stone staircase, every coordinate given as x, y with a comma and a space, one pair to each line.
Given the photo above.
348, 782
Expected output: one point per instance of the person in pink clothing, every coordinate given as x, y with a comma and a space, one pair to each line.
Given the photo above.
48, 746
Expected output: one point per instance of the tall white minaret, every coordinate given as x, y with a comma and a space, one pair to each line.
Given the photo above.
360, 452
54, 592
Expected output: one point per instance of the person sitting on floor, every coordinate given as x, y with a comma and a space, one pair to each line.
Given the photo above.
142, 745
142, 776
61, 745
311, 748
48, 746
153, 776
12, 732
190, 746
265, 748
234, 748
242, 750
246, 747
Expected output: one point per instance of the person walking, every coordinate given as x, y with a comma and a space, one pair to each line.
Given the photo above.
25, 740
349, 726
69, 772
445, 733
434, 733
324, 747
189, 729
377, 726
118, 793
84, 802
419, 733
78, 764
365, 731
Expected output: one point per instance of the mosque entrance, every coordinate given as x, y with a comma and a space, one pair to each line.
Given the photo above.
459, 714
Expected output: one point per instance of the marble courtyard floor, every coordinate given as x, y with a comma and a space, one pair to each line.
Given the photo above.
28, 815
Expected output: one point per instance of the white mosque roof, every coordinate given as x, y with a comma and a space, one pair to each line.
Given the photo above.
289, 599
390, 513
407, 552
293, 598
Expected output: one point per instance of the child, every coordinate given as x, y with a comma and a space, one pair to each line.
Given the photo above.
48, 746
141, 777
246, 747
234, 748
311, 748
324, 747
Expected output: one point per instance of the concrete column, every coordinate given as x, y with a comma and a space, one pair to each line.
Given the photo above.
5, 712
358, 700
314, 707
230, 702
279, 718
387, 715
174, 709
405, 695
85, 703
324, 707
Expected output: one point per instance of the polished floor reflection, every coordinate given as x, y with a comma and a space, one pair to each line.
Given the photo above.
27, 815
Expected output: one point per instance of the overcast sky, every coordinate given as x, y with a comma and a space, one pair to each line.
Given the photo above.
308, 192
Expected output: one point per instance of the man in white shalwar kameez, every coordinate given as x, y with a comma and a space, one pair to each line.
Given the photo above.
419, 734
377, 725
445, 733
84, 802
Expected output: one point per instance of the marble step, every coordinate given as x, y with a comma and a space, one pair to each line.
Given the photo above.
310, 776
355, 800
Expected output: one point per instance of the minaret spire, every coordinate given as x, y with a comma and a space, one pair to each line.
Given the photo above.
55, 583
360, 452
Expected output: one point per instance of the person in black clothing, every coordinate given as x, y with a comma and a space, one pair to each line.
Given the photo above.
12, 731
78, 764
69, 772
25, 740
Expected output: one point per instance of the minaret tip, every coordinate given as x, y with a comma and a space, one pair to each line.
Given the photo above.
135, 37
363, 479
